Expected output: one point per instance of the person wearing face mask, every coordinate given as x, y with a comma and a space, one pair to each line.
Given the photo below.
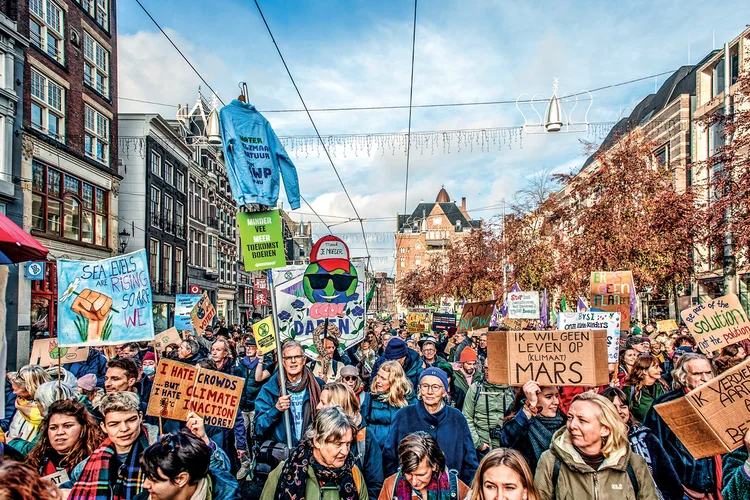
321, 466
504, 475
591, 458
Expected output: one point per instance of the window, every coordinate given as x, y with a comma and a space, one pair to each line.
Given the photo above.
47, 106
168, 213
97, 135
717, 78
46, 28
95, 65
155, 207
98, 9
155, 164
179, 218
166, 266
69, 207
212, 254
179, 180
178, 276
661, 156
716, 138
168, 172
153, 260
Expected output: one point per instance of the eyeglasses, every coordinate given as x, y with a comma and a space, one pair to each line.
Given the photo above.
350, 378
430, 388
294, 358
341, 283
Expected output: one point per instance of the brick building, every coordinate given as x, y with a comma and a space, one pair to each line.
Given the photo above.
384, 298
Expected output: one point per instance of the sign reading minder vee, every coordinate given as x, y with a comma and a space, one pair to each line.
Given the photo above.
549, 357
180, 388
717, 323
713, 418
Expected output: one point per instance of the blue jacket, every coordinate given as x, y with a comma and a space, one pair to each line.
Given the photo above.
412, 367
256, 160
371, 464
449, 428
379, 415
95, 364
10, 407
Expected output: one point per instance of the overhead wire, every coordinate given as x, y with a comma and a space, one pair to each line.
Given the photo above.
411, 98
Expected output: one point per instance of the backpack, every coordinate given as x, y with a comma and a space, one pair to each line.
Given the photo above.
556, 475
361, 445
452, 478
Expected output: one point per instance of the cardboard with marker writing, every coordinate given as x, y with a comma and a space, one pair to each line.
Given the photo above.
550, 357
718, 323
202, 314
169, 336
46, 353
713, 418
476, 315
180, 388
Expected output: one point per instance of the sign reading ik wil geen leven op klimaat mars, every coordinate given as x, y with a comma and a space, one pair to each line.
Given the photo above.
717, 323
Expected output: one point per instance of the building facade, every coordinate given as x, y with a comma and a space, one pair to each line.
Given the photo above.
384, 297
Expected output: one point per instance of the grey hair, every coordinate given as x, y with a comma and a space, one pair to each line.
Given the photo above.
120, 401
192, 345
49, 392
679, 374
289, 344
330, 425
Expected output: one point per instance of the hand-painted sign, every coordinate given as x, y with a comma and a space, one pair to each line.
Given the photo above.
46, 353
476, 315
416, 321
666, 326
183, 306
595, 320
523, 305
104, 302
718, 323
262, 241
265, 336
169, 336
202, 314
611, 291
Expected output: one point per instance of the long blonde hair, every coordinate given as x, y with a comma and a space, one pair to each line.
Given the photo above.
607, 415
515, 462
340, 394
29, 378
400, 385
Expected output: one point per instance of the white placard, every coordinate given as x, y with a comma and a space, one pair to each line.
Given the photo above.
593, 320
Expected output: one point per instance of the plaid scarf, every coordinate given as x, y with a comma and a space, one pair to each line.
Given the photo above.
292, 483
438, 489
94, 482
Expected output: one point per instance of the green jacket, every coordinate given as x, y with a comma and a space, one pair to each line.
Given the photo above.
578, 481
646, 396
459, 379
499, 399
736, 481
312, 490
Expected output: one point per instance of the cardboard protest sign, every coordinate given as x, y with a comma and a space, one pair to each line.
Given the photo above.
667, 325
713, 418
58, 478
202, 314
476, 315
180, 388
523, 305
442, 321
183, 306
718, 323
262, 241
169, 336
104, 302
417, 321
46, 353
595, 320
610, 291
549, 357
265, 335
516, 324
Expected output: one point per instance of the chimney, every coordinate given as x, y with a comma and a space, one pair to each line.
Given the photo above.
463, 203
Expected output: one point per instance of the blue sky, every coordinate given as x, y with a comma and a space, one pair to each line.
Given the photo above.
357, 53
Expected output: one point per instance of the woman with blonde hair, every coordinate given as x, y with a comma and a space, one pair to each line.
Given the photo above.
504, 474
591, 457
367, 454
391, 391
26, 421
643, 385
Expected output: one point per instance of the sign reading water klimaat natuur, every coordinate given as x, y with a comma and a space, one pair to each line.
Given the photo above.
523, 305
476, 316
718, 323
549, 357
180, 388
104, 302
262, 241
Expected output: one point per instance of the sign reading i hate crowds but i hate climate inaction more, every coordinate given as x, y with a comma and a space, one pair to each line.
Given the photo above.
718, 323
713, 418
180, 388
262, 241
549, 357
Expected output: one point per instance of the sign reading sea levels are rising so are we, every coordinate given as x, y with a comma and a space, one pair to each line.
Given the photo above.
262, 241
718, 323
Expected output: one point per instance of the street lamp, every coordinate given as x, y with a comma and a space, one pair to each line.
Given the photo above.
556, 117
124, 239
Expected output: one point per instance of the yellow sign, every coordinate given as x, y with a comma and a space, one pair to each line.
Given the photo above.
265, 336
666, 325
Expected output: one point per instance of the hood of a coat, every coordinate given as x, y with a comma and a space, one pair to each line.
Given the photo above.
562, 446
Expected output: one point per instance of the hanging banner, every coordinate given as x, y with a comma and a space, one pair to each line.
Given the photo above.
202, 314
183, 306
265, 336
523, 305
262, 241
46, 353
718, 323
610, 291
170, 336
104, 302
476, 315
180, 388
593, 320
442, 321
417, 321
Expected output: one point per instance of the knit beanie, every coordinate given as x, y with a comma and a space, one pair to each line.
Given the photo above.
468, 355
435, 372
87, 382
149, 356
396, 349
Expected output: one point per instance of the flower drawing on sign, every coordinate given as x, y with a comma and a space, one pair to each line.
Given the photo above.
298, 304
358, 311
284, 316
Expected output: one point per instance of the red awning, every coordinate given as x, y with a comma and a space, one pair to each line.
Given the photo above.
17, 245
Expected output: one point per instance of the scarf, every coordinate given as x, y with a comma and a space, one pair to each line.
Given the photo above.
94, 482
438, 489
294, 475
541, 430
309, 382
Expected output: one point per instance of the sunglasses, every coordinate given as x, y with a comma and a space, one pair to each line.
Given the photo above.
350, 378
341, 283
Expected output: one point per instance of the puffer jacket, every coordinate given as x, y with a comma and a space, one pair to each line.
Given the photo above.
578, 480
481, 396
379, 415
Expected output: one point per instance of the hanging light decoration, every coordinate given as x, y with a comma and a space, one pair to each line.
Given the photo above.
556, 118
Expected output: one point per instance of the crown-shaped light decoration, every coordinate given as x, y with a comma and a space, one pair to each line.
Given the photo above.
556, 118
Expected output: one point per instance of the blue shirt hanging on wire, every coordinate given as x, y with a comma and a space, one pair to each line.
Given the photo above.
255, 157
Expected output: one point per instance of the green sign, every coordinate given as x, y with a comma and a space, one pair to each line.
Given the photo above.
262, 242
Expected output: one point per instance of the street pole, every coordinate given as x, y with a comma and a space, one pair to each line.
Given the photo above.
729, 261
505, 251
282, 373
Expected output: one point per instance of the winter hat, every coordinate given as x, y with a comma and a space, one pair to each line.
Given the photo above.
435, 372
468, 355
87, 382
349, 371
250, 341
451, 331
427, 339
396, 349
149, 356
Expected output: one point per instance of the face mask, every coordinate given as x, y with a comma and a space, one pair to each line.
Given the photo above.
149, 370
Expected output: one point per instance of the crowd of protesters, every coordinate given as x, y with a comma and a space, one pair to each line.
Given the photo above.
396, 416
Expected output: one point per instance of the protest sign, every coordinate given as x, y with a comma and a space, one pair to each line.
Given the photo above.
202, 314
265, 336
416, 321
667, 325
515, 324
104, 302
183, 306
442, 321
595, 320
58, 478
523, 305
262, 241
718, 323
549, 357
713, 418
476, 315
169, 336
180, 388
610, 291
46, 353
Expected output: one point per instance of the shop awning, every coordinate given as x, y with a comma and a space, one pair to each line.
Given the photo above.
16, 245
